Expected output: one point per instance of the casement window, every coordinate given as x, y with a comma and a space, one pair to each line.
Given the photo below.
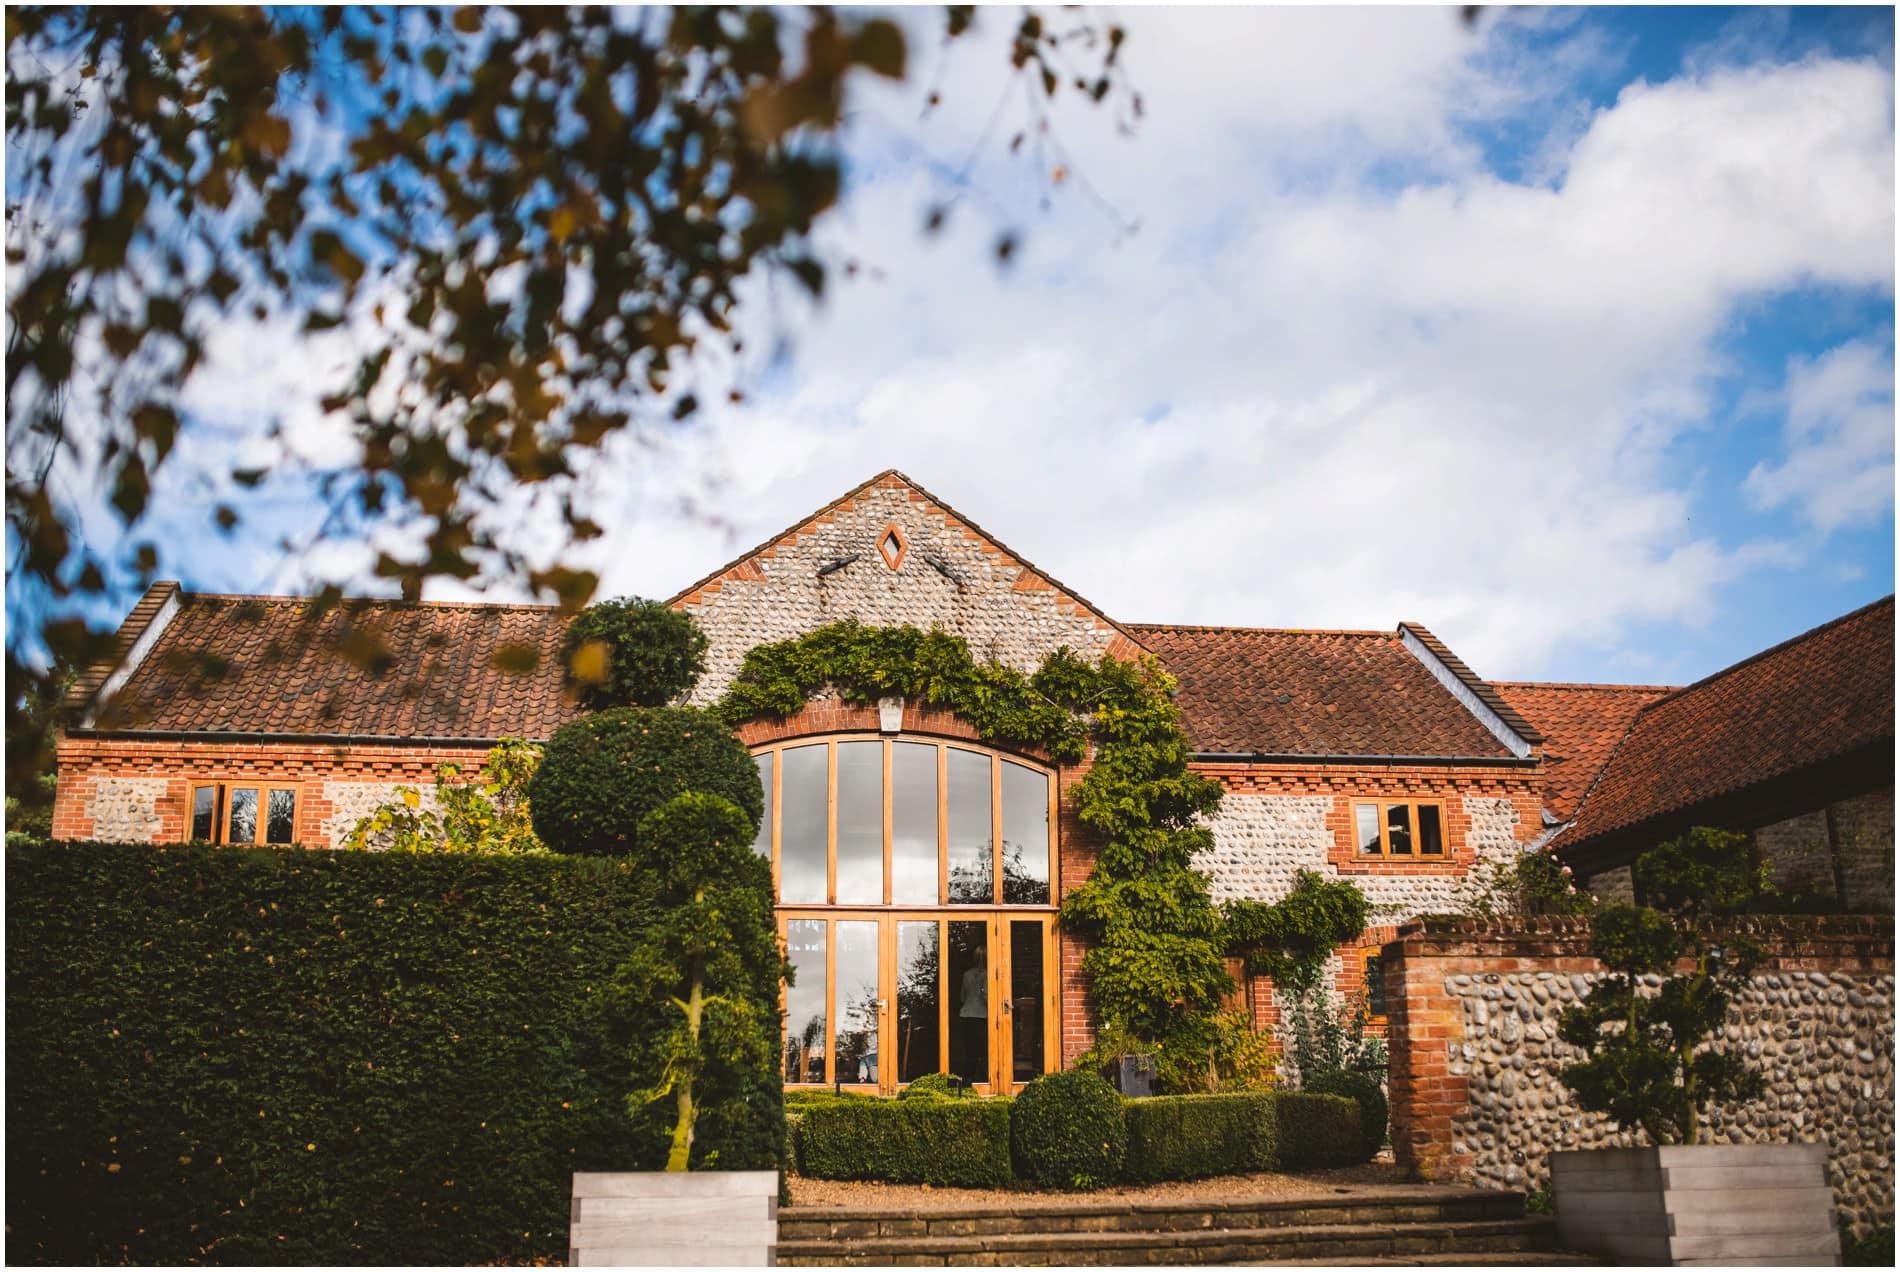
243, 813
1402, 830
1375, 984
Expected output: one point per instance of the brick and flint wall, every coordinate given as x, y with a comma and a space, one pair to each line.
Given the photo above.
1475, 1091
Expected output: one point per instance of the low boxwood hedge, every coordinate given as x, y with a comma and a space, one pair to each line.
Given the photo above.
1192, 1136
943, 1142
1317, 1130
1364, 1090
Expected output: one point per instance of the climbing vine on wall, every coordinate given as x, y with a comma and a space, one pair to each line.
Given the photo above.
1156, 960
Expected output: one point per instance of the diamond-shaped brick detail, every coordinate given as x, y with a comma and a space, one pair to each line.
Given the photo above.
891, 545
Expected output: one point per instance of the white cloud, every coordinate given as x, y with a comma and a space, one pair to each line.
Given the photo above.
1345, 374
1342, 402
1839, 438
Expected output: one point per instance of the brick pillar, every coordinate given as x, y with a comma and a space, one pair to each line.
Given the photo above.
1424, 1028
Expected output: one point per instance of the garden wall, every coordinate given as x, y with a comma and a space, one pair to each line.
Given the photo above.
1473, 1006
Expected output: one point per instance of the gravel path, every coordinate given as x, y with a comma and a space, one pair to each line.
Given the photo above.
1318, 1183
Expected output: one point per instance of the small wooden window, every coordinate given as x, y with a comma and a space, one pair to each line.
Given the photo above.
1403, 831
244, 813
1375, 984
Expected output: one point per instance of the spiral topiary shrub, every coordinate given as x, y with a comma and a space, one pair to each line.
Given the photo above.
601, 775
633, 653
1364, 1090
1068, 1131
937, 1086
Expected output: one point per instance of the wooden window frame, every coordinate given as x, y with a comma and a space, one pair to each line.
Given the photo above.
221, 812
943, 747
1368, 955
1384, 806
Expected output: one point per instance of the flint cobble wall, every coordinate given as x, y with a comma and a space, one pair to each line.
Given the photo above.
945, 574
1475, 1054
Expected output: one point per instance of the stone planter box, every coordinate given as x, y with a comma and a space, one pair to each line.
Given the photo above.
1698, 1203
677, 1219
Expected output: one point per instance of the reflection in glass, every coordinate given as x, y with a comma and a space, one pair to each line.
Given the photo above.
1025, 835
860, 824
244, 816
801, 847
204, 812
1398, 830
805, 1001
970, 865
1367, 817
762, 842
969, 982
855, 1049
914, 825
280, 819
918, 1001
1025, 999
1375, 984
1431, 837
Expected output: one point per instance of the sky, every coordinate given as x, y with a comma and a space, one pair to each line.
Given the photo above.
1568, 335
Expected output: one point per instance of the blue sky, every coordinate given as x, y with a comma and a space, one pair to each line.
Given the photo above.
1569, 336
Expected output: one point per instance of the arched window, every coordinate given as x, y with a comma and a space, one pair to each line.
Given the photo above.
869, 821
916, 903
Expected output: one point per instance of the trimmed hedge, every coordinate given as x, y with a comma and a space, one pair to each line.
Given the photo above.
602, 774
1068, 1131
1317, 1130
1364, 1090
1192, 1136
944, 1142
277, 1056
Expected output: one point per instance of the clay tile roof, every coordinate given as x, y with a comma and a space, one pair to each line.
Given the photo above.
1581, 725
1281, 692
1817, 698
367, 669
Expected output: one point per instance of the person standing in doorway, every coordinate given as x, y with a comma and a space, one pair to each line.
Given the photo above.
973, 1015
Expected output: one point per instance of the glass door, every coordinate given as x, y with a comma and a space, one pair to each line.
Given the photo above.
878, 1001
1025, 1028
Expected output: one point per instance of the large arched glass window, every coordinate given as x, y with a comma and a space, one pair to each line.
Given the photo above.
871, 821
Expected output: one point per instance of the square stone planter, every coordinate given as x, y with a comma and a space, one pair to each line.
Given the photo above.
674, 1219
1698, 1203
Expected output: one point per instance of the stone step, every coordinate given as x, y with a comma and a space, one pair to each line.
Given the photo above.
1453, 1241
1044, 1215
1505, 1259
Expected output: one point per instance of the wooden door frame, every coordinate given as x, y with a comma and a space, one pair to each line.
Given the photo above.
1001, 1023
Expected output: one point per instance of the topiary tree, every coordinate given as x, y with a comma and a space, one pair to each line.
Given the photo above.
633, 653
697, 1002
1649, 1062
1364, 1089
602, 775
1068, 1130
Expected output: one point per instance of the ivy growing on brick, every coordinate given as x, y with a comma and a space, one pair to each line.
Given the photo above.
1156, 960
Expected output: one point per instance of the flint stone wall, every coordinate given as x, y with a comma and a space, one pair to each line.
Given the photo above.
125, 810
1475, 1055
1261, 842
949, 575
351, 802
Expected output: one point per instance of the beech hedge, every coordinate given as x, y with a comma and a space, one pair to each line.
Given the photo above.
277, 1056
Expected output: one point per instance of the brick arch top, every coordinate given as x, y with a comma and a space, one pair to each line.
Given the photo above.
950, 574
827, 716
